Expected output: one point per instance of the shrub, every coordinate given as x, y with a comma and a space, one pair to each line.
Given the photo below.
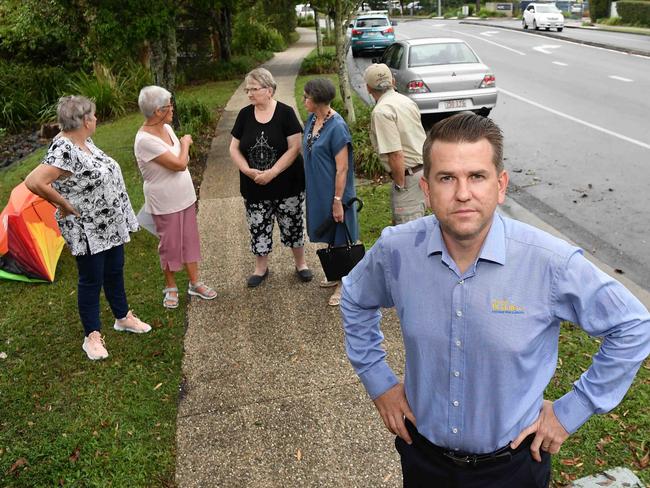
485, 13
318, 65
634, 12
307, 21
366, 160
236, 68
104, 88
195, 118
25, 91
598, 9
250, 35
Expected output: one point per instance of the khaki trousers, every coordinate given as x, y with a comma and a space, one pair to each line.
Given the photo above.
408, 203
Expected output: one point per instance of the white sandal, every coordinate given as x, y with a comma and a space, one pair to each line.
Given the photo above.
194, 290
170, 301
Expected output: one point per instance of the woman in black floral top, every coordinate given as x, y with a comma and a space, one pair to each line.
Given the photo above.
95, 217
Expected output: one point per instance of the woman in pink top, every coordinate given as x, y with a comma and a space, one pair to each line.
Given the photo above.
169, 193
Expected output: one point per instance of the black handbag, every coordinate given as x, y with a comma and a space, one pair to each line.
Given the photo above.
338, 261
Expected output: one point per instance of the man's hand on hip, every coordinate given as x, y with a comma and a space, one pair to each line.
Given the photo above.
549, 433
393, 407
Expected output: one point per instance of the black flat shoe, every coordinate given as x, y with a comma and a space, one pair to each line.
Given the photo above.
305, 275
256, 280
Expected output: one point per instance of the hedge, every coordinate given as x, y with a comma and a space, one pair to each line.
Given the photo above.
634, 12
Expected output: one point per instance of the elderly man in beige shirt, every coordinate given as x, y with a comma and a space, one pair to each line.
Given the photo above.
397, 135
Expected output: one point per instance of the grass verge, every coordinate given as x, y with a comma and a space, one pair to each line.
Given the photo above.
619, 438
67, 421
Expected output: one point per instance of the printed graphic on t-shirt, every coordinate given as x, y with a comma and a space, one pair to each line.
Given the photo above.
261, 156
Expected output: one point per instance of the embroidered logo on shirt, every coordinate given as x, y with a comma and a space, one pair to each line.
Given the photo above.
505, 306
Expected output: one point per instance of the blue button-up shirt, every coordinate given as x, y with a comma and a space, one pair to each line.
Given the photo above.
481, 346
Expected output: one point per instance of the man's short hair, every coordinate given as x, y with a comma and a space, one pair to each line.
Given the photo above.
320, 90
465, 127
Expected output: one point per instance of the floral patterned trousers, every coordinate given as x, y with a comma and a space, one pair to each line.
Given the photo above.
289, 214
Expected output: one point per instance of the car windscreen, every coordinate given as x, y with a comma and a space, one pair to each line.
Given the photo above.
378, 22
547, 9
434, 54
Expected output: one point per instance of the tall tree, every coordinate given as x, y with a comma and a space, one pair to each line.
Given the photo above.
319, 36
341, 11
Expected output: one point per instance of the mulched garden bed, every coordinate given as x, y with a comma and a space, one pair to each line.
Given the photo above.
14, 147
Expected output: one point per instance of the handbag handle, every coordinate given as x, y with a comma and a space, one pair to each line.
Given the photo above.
349, 203
348, 236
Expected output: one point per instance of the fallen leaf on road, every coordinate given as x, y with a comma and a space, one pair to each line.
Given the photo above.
619, 271
387, 477
157, 386
299, 455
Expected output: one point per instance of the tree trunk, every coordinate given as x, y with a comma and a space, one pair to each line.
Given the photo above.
319, 38
340, 21
224, 28
164, 57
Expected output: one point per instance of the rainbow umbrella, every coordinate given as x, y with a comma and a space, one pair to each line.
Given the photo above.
30, 239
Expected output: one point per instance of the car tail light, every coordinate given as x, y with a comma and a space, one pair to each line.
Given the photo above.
388, 31
417, 86
488, 81
356, 32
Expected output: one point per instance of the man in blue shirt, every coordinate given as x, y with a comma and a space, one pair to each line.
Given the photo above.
480, 298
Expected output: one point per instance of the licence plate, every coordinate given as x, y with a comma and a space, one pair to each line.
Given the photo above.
454, 103
370, 34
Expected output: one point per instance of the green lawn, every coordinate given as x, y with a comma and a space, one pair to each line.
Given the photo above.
64, 419
620, 438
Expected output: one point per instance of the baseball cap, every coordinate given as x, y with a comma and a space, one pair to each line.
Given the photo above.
378, 76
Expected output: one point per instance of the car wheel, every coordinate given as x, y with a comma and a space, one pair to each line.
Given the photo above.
355, 54
559, 29
535, 25
523, 23
548, 28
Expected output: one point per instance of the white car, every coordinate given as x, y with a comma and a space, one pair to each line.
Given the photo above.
543, 16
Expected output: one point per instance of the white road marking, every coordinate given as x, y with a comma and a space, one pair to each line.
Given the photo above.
575, 119
620, 78
546, 48
560, 63
489, 33
489, 42
575, 43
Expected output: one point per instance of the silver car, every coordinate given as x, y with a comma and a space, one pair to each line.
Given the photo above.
442, 75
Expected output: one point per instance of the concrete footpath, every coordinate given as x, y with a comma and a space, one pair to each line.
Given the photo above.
269, 398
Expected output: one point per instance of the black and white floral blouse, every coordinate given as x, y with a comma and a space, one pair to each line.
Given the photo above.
95, 187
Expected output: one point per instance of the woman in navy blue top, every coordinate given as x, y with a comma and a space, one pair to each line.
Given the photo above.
329, 170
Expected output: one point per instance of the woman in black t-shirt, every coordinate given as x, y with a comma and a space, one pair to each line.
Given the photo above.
265, 146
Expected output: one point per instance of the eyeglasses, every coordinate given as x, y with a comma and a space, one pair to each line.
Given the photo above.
254, 90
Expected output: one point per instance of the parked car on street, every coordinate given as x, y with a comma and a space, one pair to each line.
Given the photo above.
442, 75
542, 16
371, 32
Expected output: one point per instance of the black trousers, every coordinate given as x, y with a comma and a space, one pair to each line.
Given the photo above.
423, 468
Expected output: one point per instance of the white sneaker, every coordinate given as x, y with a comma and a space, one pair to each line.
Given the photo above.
95, 346
131, 323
